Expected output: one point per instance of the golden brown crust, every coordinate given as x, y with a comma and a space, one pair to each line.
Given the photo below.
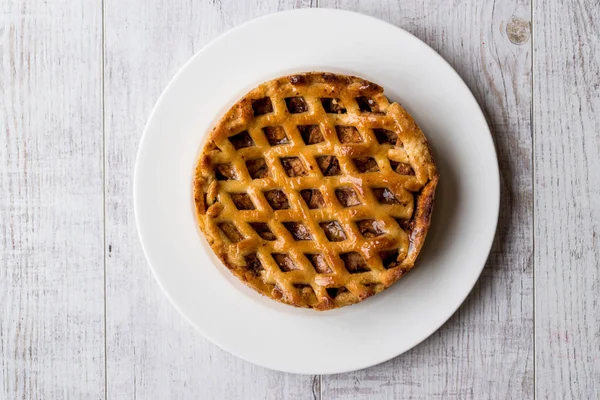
315, 191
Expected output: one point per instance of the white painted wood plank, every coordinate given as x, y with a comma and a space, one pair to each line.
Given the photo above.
51, 200
567, 199
486, 350
151, 350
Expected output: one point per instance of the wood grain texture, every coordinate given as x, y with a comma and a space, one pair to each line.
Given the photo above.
567, 199
486, 350
51, 201
152, 352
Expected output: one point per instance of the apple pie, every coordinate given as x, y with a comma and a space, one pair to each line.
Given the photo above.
315, 190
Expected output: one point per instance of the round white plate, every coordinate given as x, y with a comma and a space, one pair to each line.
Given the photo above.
261, 330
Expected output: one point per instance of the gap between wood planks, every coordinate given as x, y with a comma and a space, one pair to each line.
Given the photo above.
104, 186
532, 132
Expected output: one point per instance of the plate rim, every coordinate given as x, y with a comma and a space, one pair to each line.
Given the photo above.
214, 42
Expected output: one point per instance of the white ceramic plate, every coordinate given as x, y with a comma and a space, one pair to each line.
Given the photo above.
256, 328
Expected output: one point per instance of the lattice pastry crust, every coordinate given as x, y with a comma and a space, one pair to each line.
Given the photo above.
315, 191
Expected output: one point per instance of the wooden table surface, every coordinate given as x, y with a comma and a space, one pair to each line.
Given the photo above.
81, 315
